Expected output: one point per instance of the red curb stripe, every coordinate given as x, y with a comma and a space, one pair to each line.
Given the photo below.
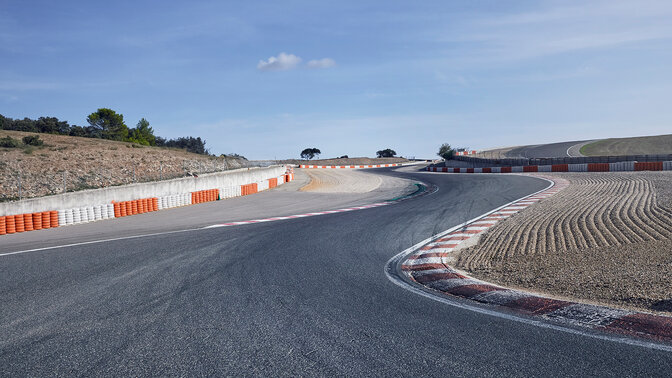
657, 327
427, 278
411, 268
426, 255
453, 238
537, 305
468, 291
442, 245
471, 231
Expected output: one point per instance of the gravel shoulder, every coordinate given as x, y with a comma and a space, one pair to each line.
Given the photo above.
355, 181
607, 239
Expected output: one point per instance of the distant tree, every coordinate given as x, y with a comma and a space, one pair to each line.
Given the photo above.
110, 124
51, 125
446, 152
78, 131
310, 153
5, 122
343, 157
386, 153
142, 134
191, 144
25, 124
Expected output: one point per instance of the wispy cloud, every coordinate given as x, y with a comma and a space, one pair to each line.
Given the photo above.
282, 62
557, 28
321, 63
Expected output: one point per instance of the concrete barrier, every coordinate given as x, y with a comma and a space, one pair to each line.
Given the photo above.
131, 192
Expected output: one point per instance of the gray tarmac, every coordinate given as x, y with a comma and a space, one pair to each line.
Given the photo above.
306, 296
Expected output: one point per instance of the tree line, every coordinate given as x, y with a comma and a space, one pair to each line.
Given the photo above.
104, 123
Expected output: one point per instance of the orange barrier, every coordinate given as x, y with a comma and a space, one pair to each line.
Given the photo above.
3, 226
487, 170
46, 220
201, 196
272, 182
598, 167
54, 219
117, 209
37, 221
248, 189
649, 166
470, 170
10, 224
531, 168
155, 204
134, 207
18, 220
28, 222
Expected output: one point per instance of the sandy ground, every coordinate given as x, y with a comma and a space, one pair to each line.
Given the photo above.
354, 181
85, 163
607, 238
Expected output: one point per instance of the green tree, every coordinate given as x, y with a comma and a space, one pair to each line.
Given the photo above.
142, 134
386, 153
446, 152
310, 153
110, 124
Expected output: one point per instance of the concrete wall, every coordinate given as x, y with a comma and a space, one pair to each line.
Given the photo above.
141, 190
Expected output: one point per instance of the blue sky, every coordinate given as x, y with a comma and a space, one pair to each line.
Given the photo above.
267, 79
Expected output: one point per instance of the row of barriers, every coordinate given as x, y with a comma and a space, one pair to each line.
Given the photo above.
625, 166
11, 224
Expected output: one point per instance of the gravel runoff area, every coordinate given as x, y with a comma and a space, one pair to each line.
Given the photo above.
606, 239
354, 181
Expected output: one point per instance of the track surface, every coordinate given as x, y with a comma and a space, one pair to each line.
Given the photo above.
300, 297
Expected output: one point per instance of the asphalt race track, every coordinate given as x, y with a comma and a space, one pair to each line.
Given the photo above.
307, 296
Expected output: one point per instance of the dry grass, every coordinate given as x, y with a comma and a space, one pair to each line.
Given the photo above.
92, 163
649, 145
606, 238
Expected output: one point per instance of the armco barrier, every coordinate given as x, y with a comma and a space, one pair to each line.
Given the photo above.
39, 220
624, 166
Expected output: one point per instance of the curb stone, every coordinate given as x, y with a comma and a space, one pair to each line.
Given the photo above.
426, 265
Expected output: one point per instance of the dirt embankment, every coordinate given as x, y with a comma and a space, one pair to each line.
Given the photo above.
648, 145
77, 163
606, 238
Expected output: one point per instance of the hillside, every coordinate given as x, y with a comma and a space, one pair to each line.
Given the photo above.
85, 163
648, 145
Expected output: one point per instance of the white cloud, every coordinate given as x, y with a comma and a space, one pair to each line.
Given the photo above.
282, 62
321, 63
